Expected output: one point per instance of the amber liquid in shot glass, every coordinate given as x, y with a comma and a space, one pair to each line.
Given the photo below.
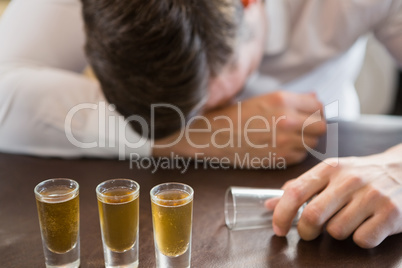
57, 201
172, 210
119, 220
118, 203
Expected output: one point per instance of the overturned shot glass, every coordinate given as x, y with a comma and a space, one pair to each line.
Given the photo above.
245, 208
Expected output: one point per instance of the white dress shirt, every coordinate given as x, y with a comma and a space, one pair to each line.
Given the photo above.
312, 45
315, 45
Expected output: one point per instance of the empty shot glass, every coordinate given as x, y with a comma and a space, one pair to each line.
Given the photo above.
245, 207
57, 201
118, 203
172, 216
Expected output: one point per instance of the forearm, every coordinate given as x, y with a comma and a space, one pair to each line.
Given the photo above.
188, 143
43, 33
393, 163
50, 112
395, 151
257, 129
42, 90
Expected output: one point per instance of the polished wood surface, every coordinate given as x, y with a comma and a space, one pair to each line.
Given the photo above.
213, 244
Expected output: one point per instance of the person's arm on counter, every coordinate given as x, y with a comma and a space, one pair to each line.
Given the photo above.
41, 60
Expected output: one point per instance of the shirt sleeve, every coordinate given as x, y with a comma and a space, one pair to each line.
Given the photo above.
389, 30
47, 108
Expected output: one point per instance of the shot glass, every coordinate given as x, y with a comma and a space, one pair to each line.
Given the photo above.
172, 216
118, 203
245, 209
57, 201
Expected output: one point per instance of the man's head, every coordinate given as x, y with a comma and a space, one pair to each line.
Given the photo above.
159, 51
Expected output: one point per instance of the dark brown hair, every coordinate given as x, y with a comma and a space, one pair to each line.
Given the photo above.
147, 52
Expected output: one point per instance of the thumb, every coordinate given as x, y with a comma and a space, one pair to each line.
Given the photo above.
271, 203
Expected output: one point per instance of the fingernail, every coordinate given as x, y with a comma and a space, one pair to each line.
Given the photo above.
267, 204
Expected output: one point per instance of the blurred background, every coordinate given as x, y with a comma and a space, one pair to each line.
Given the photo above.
3, 4
379, 85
